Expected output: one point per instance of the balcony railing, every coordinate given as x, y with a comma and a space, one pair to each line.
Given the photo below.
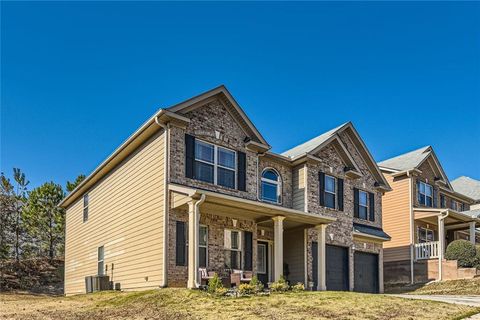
427, 250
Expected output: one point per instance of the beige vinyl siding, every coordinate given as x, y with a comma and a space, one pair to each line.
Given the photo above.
396, 219
294, 255
299, 191
126, 217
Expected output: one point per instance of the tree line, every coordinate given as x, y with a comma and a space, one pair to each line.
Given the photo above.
31, 223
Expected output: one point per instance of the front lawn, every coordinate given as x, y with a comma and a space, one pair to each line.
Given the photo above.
450, 287
184, 304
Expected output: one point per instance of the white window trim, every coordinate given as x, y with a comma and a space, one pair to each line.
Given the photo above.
425, 194
101, 260
86, 207
278, 183
216, 165
427, 230
365, 206
335, 205
205, 246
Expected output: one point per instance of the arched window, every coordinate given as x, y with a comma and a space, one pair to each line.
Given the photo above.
271, 189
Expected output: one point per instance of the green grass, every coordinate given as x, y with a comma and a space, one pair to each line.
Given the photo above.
174, 304
451, 287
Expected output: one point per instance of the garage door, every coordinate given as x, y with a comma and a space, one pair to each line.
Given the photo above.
366, 272
337, 268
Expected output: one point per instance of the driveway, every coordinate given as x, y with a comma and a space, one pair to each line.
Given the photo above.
473, 301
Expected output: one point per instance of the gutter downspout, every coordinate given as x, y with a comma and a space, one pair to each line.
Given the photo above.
442, 242
412, 228
166, 174
197, 237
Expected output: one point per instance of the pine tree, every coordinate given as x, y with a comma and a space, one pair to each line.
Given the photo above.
72, 185
20, 200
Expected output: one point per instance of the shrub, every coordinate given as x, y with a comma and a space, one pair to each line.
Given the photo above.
246, 289
221, 291
298, 287
463, 251
215, 284
279, 286
477, 257
258, 286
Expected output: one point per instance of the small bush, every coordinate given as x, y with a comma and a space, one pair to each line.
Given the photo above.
246, 289
221, 291
463, 251
477, 257
257, 284
279, 286
298, 287
215, 284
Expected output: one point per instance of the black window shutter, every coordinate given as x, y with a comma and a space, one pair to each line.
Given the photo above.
340, 193
181, 245
189, 156
434, 195
355, 202
442, 201
321, 183
248, 249
242, 171
371, 199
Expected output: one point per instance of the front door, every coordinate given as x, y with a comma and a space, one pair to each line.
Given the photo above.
262, 262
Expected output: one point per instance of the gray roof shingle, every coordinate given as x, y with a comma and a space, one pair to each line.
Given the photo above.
407, 161
374, 231
473, 213
311, 144
467, 186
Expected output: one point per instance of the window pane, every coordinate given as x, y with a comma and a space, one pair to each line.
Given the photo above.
203, 236
100, 253
235, 259
203, 257
330, 184
101, 269
270, 174
235, 240
363, 198
269, 191
430, 235
226, 177
428, 190
421, 199
204, 151
362, 212
85, 200
226, 158
422, 187
429, 202
204, 172
329, 200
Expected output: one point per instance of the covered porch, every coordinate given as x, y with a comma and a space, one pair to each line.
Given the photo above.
227, 234
435, 228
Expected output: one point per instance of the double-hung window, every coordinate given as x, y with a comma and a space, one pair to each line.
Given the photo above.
85, 207
425, 235
214, 164
362, 205
330, 191
100, 261
271, 186
425, 194
203, 246
233, 252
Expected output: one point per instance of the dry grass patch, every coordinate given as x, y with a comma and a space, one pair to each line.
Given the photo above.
174, 304
450, 287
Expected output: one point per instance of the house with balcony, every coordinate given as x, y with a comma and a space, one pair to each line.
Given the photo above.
196, 190
423, 214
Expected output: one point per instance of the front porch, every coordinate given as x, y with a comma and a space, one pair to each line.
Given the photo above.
433, 230
237, 236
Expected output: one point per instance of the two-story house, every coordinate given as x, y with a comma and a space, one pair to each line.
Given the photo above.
422, 214
196, 188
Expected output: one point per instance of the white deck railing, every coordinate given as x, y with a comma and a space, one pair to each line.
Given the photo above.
427, 250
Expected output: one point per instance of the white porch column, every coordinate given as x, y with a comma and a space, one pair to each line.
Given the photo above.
472, 232
278, 247
322, 275
192, 250
441, 249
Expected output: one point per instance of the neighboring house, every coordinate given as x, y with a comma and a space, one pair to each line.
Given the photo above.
196, 188
422, 214
469, 187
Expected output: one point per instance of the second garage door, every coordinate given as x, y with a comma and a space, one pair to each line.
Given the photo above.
366, 272
337, 268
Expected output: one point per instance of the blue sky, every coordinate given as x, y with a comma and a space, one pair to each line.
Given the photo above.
78, 78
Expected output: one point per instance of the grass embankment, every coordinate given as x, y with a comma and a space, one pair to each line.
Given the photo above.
184, 304
451, 287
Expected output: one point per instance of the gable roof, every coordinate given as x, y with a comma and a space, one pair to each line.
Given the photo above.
407, 161
317, 143
467, 186
472, 213
221, 93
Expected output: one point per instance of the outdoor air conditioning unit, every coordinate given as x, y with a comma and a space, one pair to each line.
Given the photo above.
97, 283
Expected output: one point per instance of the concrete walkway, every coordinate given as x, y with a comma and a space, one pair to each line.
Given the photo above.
473, 301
